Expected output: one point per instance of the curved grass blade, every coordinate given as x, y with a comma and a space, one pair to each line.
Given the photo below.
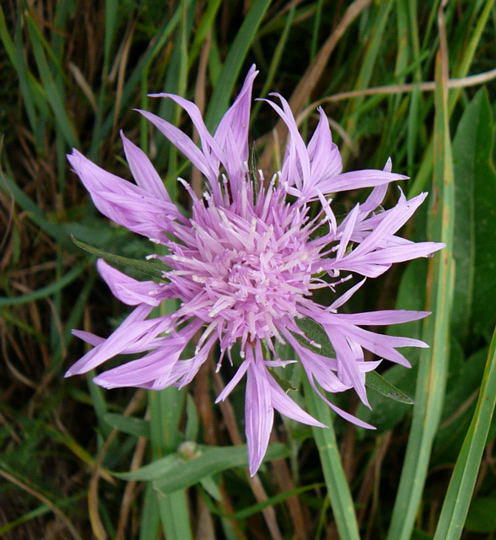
53, 92
460, 71
44, 291
255, 508
33, 211
461, 486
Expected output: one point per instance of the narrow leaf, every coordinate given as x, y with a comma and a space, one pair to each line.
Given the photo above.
383, 386
433, 364
152, 268
175, 472
335, 478
234, 61
462, 483
128, 424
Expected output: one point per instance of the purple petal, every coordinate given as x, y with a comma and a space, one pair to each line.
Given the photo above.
259, 415
348, 371
209, 144
137, 373
373, 318
119, 200
132, 328
296, 166
233, 382
378, 193
348, 231
325, 159
286, 406
143, 171
202, 162
347, 295
392, 222
232, 132
88, 337
129, 290
358, 179
347, 416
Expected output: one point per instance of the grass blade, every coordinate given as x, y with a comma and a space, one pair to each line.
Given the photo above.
44, 291
335, 479
34, 212
461, 486
433, 362
460, 71
53, 94
234, 61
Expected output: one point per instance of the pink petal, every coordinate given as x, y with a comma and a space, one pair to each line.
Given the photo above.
131, 329
325, 159
180, 140
129, 290
259, 415
286, 406
358, 179
119, 200
143, 171
232, 132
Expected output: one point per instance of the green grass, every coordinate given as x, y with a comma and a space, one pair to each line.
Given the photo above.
71, 77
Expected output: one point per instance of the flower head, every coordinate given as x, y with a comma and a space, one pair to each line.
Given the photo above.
245, 265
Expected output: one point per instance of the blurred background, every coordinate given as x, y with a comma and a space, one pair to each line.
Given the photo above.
71, 73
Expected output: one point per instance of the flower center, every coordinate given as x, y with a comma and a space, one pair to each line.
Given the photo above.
245, 275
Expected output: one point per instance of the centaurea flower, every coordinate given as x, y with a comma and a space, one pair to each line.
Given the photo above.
245, 265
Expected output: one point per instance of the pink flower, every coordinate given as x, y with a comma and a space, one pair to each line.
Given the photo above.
245, 264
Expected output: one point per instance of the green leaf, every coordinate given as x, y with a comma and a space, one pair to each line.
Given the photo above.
383, 386
128, 424
459, 407
151, 268
475, 218
275, 499
211, 461
483, 312
209, 485
166, 407
192, 419
174, 472
314, 331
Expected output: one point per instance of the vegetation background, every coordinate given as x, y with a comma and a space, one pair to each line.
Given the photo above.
409, 79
